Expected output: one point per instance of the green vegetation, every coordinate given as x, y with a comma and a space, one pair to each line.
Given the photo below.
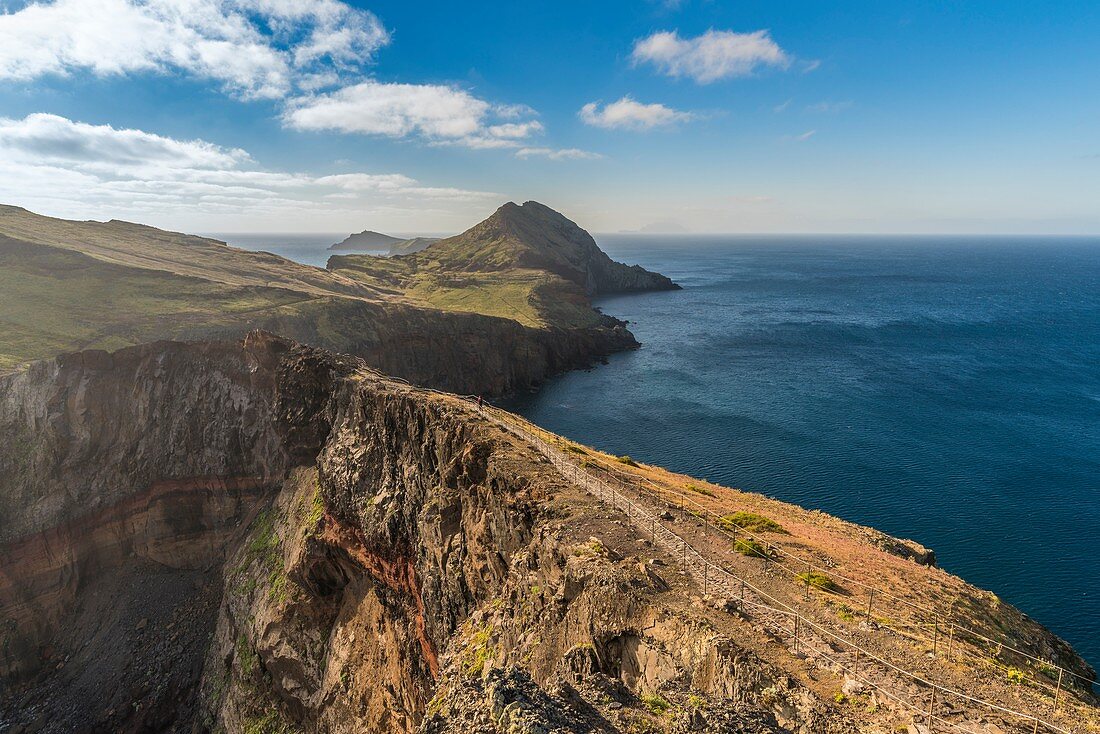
840, 697
574, 448
1047, 669
79, 285
270, 723
1015, 675
696, 702
750, 547
264, 550
626, 460
246, 657
818, 580
590, 549
845, 612
315, 513
699, 490
477, 651
751, 522
656, 704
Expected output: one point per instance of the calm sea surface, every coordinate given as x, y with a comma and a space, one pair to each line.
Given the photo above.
310, 249
940, 389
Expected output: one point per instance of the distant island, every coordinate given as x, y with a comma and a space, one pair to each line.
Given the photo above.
370, 241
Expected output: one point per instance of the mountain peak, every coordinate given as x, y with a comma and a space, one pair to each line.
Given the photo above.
534, 236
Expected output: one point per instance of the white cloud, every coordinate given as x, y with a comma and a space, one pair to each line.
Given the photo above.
440, 114
710, 57
803, 137
629, 114
75, 168
558, 154
52, 139
254, 48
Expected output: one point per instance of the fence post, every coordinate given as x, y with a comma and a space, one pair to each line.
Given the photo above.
870, 601
1058, 690
806, 591
685, 555
653, 530
705, 564
796, 633
742, 596
931, 703
935, 638
950, 640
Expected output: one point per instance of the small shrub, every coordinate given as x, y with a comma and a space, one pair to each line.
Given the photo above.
590, 549
246, 656
751, 522
624, 459
1015, 675
269, 723
699, 490
845, 612
574, 448
696, 702
656, 703
316, 512
476, 654
818, 580
840, 697
750, 547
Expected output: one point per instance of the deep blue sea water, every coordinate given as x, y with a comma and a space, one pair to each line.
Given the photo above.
941, 389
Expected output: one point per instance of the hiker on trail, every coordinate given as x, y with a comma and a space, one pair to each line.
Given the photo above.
479, 402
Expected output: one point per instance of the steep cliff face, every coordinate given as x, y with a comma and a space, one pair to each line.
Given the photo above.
467, 353
265, 537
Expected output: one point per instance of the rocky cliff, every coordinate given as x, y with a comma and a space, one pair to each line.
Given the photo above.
262, 537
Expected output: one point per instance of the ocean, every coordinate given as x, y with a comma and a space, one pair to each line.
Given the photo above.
308, 249
944, 389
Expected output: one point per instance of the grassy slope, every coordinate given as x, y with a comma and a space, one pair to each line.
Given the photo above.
522, 262
54, 300
139, 246
532, 297
68, 285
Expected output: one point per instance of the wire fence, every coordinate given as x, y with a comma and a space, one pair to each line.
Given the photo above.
957, 633
808, 636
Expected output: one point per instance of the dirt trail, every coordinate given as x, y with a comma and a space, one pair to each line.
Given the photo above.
933, 691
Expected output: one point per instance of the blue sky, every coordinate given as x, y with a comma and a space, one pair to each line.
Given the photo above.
318, 115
